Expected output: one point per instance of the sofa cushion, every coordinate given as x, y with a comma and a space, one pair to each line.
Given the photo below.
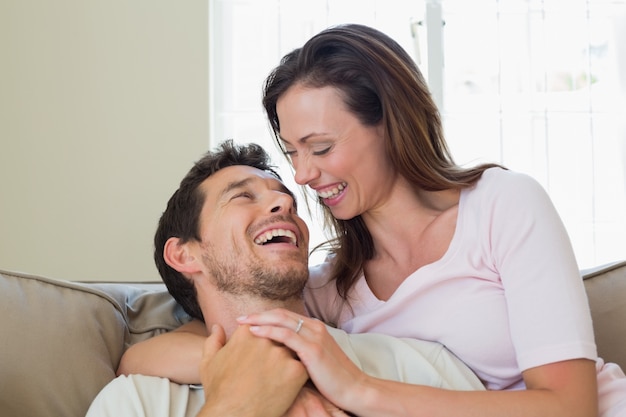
606, 290
61, 342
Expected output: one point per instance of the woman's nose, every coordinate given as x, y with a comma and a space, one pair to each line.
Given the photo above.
305, 171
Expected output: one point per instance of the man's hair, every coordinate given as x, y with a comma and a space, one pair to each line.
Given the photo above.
181, 218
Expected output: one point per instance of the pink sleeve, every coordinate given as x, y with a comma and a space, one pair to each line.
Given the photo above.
546, 300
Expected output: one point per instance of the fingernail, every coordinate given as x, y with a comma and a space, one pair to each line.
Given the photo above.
242, 318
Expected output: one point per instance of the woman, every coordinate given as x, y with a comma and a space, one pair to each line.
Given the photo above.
476, 259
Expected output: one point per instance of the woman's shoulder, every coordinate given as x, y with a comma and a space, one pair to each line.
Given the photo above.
505, 192
497, 175
496, 182
320, 274
320, 294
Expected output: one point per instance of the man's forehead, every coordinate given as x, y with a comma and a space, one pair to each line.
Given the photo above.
237, 176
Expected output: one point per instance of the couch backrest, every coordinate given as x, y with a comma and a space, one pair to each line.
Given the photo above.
61, 341
606, 290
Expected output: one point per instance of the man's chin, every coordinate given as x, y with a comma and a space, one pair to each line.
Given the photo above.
296, 258
281, 283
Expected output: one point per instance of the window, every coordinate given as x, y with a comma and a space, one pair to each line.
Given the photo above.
539, 86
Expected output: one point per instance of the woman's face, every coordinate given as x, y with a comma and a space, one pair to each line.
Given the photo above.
332, 152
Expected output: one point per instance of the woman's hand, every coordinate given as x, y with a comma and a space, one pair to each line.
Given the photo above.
334, 374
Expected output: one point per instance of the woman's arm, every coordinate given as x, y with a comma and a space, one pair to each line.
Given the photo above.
174, 355
566, 388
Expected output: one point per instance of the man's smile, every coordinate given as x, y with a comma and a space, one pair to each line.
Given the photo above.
277, 235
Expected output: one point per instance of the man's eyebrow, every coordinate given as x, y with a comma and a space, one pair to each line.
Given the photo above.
246, 181
235, 185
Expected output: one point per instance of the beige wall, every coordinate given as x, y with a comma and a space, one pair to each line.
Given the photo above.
103, 108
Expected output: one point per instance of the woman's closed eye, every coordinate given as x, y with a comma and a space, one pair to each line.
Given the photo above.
322, 151
317, 150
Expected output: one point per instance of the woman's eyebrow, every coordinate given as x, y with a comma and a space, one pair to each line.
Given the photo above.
303, 139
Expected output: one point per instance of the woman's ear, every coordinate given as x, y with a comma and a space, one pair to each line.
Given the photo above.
179, 256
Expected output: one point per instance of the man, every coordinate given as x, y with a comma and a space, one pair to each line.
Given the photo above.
230, 243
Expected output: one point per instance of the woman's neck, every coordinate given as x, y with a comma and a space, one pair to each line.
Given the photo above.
410, 231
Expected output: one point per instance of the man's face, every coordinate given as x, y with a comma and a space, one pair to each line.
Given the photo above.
253, 242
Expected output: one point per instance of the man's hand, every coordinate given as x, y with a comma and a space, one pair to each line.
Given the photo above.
310, 403
248, 376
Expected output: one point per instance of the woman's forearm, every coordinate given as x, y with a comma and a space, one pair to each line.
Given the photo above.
566, 389
175, 355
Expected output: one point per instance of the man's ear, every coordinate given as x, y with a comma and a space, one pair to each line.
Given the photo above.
180, 256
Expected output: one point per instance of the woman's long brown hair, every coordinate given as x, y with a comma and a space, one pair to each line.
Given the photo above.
379, 83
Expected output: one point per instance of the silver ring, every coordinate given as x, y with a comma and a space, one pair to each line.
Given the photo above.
299, 326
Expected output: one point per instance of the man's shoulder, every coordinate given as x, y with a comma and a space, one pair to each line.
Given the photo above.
142, 396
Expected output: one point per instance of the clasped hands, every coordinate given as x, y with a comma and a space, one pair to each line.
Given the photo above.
252, 376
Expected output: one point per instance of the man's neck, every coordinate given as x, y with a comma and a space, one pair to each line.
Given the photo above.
224, 309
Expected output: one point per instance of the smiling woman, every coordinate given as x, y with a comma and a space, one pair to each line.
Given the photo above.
319, 133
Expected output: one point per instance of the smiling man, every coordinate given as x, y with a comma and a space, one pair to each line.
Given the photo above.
230, 243
251, 252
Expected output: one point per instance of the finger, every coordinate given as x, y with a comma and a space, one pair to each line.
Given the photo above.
215, 341
282, 335
276, 317
270, 317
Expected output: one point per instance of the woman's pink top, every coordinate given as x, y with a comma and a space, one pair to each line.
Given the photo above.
505, 297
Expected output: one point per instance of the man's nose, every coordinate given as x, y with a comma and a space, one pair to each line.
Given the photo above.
282, 203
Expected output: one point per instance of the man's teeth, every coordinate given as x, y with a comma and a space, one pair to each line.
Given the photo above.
270, 234
334, 192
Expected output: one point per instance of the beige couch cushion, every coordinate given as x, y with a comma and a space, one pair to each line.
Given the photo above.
61, 342
606, 289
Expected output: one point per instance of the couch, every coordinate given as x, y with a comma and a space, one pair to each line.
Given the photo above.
62, 341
